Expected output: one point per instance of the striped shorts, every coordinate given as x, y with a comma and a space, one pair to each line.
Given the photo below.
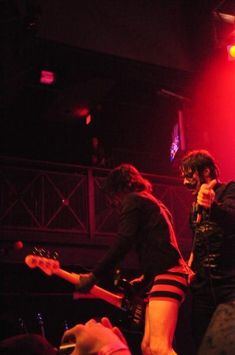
169, 286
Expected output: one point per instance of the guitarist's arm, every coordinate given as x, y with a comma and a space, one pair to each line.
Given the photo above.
126, 238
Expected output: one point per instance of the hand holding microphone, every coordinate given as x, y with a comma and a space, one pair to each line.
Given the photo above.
205, 198
206, 194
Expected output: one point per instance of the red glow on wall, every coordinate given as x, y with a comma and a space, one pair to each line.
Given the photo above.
231, 52
47, 77
212, 124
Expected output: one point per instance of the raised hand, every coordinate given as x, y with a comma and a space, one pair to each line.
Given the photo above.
206, 194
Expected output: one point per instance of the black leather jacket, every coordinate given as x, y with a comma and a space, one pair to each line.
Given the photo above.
143, 228
214, 236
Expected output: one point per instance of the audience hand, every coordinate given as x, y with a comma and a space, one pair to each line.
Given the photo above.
96, 338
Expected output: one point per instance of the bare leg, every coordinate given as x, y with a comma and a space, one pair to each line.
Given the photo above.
161, 320
145, 345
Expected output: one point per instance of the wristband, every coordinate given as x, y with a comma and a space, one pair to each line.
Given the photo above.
110, 349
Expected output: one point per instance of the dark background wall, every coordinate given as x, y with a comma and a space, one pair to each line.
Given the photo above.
114, 58
150, 32
119, 61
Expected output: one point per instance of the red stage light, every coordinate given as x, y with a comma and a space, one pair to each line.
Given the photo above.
81, 111
88, 119
231, 52
47, 77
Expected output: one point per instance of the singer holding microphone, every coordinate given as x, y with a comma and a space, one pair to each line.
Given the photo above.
212, 220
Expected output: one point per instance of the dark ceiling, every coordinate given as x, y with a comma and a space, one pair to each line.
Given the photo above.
133, 67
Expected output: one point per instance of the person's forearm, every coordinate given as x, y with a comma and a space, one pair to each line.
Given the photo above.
126, 239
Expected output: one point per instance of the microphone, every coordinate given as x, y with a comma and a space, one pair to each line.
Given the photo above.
16, 246
207, 194
201, 213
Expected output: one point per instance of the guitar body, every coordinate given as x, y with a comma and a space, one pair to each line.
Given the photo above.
130, 301
134, 304
135, 313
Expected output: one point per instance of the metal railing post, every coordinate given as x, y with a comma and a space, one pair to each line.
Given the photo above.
91, 203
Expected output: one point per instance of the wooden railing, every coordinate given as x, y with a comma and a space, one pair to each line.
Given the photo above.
63, 205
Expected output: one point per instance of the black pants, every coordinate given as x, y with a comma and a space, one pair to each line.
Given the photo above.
219, 337
206, 296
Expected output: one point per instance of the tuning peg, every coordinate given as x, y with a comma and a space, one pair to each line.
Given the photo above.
44, 253
40, 318
41, 323
22, 325
39, 251
36, 251
66, 326
117, 277
47, 254
55, 255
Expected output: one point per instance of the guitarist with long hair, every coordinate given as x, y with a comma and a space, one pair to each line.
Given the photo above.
146, 226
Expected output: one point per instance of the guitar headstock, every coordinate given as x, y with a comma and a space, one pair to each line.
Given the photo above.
41, 259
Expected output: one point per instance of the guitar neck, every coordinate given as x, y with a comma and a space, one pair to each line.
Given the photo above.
68, 276
95, 291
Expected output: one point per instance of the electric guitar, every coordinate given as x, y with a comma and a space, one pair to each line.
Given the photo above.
129, 301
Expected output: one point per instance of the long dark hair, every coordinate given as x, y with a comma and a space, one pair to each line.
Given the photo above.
126, 178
